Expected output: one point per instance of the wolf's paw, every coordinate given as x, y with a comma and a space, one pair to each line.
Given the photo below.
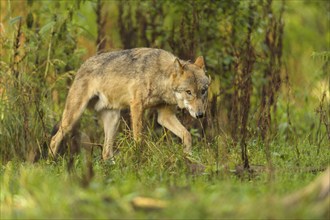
110, 161
187, 152
51, 161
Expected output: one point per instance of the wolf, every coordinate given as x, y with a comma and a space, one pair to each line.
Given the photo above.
135, 79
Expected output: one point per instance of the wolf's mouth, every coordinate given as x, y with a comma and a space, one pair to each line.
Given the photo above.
189, 108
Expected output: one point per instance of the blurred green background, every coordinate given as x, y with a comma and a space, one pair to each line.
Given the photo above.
269, 102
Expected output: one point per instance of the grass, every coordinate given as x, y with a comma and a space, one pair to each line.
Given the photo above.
202, 187
38, 61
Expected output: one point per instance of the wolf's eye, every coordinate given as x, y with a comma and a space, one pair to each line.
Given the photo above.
188, 92
204, 91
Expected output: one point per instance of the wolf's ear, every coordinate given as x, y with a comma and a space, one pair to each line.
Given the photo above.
200, 62
178, 67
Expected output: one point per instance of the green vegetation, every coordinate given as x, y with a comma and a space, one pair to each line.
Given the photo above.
47, 189
266, 134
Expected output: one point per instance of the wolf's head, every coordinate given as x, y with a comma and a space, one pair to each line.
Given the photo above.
190, 85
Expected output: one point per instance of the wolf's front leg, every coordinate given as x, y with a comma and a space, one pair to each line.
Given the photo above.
111, 119
136, 117
168, 119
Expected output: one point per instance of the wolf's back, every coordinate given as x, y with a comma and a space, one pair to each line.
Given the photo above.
131, 62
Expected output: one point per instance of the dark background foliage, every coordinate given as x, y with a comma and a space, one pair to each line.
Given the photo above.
267, 129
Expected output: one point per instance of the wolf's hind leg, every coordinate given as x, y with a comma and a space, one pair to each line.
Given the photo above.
168, 119
74, 107
111, 119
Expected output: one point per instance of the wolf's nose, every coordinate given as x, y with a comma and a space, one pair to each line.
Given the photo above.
199, 115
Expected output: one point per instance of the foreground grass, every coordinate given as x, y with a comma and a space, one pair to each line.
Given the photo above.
203, 187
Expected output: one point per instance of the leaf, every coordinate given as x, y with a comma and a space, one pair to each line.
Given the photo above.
88, 32
148, 203
47, 27
14, 20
